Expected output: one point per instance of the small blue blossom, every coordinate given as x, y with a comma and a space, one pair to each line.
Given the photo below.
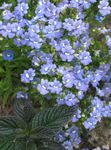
55, 87
74, 135
28, 75
99, 18
70, 99
68, 79
77, 116
8, 55
48, 68
22, 95
43, 87
60, 101
60, 136
90, 123
104, 7
80, 95
85, 58
68, 145
20, 10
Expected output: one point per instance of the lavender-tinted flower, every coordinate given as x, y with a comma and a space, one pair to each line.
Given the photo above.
70, 99
84, 57
85, 42
53, 30
48, 68
33, 29
68, 145
61, 45
80, 95
78, 72
68, 79
108, 42
90, 123
104, 7
60, 136
5, 6
74, 135
96, 114
107, 89
89, 76
60, 101
20, 10
100, 92
66, 54
28, 75
7, 15
77, 116
61, 70
79, 28
6, 31
99, 74
18, 42
35, 61
40, 10
34, 41
55, 87
17, 29
46, 58
107, 110
21, 1
81, 85
22, 95
68, 24
51, 11
43, 87
107, 77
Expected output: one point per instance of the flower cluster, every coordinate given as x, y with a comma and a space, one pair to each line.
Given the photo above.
70, 57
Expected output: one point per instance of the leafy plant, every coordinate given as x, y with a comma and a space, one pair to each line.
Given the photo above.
28, 130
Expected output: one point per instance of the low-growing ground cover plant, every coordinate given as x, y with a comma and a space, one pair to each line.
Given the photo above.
26, 129
58, 52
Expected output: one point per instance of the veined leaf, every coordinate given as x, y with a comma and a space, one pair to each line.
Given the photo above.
42, 133
53, 118
51, 146
23, 111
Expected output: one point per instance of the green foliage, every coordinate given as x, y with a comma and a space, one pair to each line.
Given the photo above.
27, 129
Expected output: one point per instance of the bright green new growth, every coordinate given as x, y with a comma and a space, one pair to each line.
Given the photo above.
28, 130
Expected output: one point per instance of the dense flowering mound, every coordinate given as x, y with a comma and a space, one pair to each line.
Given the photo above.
63, 51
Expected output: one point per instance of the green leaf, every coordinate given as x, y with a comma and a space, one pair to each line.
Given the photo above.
53, 118
41, 133
23, 110
8, 125
6, 143
31, 146
49, 145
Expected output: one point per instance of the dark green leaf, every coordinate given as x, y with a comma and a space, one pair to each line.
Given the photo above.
42, 132
23, 110
53, 118
51, 146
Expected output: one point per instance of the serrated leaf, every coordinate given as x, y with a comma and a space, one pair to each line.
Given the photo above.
53, 118
42, 133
